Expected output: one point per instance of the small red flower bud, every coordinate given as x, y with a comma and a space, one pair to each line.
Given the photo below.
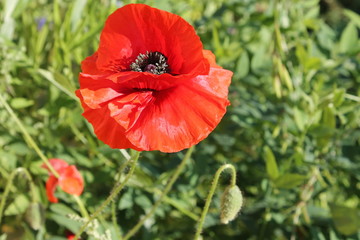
70, 179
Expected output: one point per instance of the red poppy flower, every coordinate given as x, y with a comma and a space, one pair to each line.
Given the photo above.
70, 180
150, 85
70, 235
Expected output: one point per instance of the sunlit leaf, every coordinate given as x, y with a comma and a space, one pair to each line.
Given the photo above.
346, 220
271, 165
18, 206
349, 39
289, 180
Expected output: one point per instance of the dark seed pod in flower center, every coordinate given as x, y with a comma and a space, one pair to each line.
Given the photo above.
152, 62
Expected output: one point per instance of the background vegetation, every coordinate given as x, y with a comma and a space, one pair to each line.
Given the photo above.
292, 131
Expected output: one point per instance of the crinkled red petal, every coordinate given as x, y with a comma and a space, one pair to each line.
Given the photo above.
138, 28
89, 66
56, 163
51, 184
71, 181
211, 58
178, 118
127, 109
105, 127
157, 114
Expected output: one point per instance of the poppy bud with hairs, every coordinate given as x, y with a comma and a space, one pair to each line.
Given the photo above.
231, 203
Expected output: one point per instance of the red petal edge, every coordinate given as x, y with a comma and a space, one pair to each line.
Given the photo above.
51, 184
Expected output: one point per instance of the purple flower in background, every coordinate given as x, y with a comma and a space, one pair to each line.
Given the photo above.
40, 22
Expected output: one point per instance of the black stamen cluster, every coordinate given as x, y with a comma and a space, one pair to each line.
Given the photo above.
152, 62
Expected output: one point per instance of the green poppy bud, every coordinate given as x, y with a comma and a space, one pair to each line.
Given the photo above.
231, 203
35, 215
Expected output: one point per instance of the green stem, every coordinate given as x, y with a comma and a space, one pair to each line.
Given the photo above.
175, 204
211, 193
9, 184
32, 143
82, 208
113, 194
352, 97
27, 137
118, 179
125, 154
168, 186
114, 220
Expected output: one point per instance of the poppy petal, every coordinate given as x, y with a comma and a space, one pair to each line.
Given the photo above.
57, 164
126, 110
173, 122
51, 184
88, 65
105, 127
71, 181
93, 98
138, 28
216, 83
211, 58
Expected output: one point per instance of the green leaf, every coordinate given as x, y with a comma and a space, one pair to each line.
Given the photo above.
301, 54
339, 96
126, 200
50, 77
300, 119
271, 166
78, 8
328, 117
143, 201
284, 75
349, 39
277, 86
61, 209
290, 180
18, 206
18, 103
259, 60
355, 18
346, 220
140, 179
243, 64
66, 222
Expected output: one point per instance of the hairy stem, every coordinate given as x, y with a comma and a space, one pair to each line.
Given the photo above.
81, 205
9, 184
113, 194
33, 144
27, 137
168, 186
211, 193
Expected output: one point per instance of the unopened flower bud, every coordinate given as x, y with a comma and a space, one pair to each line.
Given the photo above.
35, 215
231, 203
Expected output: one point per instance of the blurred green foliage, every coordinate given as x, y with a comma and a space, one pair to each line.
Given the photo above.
292, 131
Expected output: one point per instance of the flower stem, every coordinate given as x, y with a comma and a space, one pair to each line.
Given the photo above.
33, 144
9, 184
175, 204
211, 193
82, 208
168, 186
113, 194
114, 220
118, 179
28, 138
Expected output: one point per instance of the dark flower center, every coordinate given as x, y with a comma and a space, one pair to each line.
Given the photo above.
152, 62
